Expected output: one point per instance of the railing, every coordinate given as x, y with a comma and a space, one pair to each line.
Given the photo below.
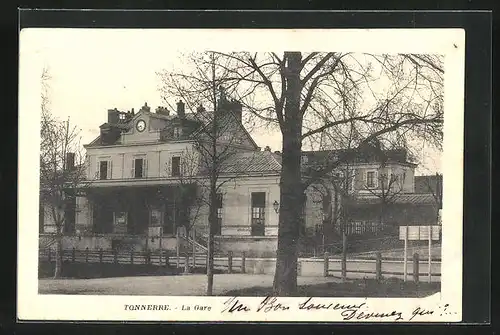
193, 239
202, 239
187, 261
378, 267
47, 241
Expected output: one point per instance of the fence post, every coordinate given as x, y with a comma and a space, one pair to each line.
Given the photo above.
166, 259
230, 262
86, 254
49, 255
115, 256
243, 260
378, 268
344, 256
148, 256
100, 255
299, 268
186, 264
326, 261
178, 247
193, 235
131, 256
73, 256
415, 268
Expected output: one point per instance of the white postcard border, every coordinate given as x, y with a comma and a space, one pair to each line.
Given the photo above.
446, 306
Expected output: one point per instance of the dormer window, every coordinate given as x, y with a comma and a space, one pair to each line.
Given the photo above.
177, 132
121, 116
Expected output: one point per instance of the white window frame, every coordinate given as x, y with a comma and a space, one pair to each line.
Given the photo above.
109, 172
375, 179
172, 166
177, 132
268, 218
144, 166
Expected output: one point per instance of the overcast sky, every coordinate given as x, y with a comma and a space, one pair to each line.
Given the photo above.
95, 70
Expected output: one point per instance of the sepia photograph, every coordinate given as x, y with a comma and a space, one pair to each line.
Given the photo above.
227, 173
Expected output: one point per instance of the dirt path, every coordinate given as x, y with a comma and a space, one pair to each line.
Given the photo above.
162, 285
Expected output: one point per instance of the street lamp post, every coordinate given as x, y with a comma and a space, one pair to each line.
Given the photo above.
276, 206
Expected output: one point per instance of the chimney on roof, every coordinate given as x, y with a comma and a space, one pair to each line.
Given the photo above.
231, 107
70, 161
162, 110
181, 112
132, 111
145, 108
113, 115
267, 148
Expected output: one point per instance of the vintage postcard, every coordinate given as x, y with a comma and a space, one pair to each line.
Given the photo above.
241, 175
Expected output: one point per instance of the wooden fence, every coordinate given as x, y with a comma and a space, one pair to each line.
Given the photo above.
186, 261
376, 268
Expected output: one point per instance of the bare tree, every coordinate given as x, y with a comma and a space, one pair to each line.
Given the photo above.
216, 141
190, 185
385, 188
62, 168
388, 98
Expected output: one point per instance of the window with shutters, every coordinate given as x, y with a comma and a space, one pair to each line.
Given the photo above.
104, 169
177, 132
139, 167
176, 166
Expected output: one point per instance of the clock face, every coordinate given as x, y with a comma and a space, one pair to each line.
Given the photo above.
141, 125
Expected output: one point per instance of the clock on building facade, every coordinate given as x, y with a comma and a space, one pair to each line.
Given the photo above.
141, 125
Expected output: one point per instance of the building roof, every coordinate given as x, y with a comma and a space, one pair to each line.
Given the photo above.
402, 198
357, 156
251, 162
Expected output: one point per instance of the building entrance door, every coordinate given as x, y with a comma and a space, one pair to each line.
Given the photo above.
170, 219
102, 218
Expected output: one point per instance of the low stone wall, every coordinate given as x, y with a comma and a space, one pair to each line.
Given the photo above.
135, 243
252, 246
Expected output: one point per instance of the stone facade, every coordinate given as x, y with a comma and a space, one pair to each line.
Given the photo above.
141, 165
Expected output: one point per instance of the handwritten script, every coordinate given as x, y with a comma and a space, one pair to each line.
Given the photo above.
347, 312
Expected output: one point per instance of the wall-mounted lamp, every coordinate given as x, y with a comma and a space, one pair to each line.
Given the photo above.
276, 206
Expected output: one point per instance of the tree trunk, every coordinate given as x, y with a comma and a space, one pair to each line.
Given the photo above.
59, 255
212, 216
291, 188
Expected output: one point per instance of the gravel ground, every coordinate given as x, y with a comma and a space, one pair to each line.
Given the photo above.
193, 284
